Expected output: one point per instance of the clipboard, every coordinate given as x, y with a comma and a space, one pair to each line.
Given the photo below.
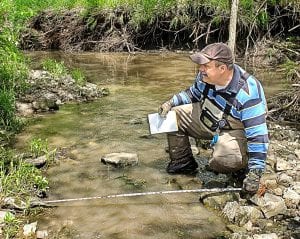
158, 124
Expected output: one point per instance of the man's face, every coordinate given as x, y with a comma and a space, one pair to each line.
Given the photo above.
213, 74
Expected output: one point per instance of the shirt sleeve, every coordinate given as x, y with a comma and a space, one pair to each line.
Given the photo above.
192, 94
253, 112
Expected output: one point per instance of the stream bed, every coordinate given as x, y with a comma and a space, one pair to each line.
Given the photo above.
138, 84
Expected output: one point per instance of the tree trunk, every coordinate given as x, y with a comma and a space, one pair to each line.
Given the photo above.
232, 25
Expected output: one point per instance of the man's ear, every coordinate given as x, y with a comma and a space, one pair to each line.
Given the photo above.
223, 67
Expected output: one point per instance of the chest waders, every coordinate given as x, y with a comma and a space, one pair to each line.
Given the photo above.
203, 121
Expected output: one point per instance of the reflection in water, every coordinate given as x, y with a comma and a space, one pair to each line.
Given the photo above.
138, 84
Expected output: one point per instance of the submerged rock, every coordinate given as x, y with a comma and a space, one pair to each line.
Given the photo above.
29, 229
120, 160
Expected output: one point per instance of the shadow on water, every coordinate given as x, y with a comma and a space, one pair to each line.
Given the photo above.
138, 84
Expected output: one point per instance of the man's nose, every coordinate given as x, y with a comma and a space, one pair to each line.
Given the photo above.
201, 68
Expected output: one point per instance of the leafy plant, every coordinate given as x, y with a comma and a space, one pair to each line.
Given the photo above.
78, 76
8, 119
57, 69
11, 225
291, 69
131, 182
21, 180
38, 147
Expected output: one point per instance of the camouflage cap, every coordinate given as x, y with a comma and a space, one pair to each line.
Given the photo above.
216, 51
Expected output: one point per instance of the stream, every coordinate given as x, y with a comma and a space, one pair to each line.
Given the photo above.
138, 84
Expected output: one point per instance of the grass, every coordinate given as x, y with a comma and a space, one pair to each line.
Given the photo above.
11, 225
78, 76
57, 69
19, 179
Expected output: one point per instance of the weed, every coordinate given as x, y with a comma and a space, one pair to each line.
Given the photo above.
11, 225
78, 76
291, 69
38, 147
131, 182
19, 179
57, 69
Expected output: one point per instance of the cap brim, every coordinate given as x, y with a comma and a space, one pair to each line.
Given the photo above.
199, 58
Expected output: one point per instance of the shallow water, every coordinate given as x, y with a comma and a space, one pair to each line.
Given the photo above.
138, 84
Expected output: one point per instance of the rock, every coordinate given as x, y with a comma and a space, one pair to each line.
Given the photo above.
41, 234
235, 228
270, 204
136, 121
238, 235
212, 180
297, 153
24, 109
37, 74
219, 201
2, 216
271, 184
120, 159
10, 203
277, 191
195, 150
247, 213
285, 180
230, 210
296, 187
37, 162
291, 198
265, 236
29, 229
282, 165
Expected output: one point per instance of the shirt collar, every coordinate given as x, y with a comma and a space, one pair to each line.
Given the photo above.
233, 85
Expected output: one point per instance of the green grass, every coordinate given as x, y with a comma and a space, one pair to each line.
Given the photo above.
19, 179
21, 182
56, 68
78, 76
8, 119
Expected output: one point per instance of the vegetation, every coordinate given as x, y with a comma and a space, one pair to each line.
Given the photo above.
58, 69
13, 72
54, 67
11, 225
21, 182
78, 76
119, 25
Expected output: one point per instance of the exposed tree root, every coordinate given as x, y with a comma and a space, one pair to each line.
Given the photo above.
285, 106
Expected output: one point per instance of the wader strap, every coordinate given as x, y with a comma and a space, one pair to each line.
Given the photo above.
205, 91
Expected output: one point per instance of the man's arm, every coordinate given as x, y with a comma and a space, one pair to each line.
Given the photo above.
253, 113
190, 95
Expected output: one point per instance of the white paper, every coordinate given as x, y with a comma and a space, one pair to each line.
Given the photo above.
163, 125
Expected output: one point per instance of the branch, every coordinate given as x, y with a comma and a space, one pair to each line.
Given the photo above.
285, 106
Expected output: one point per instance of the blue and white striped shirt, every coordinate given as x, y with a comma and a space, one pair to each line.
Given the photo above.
248, 105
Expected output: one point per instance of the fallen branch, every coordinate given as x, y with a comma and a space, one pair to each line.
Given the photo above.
285, 106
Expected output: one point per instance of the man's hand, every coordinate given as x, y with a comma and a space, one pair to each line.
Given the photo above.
252, 180
164, 109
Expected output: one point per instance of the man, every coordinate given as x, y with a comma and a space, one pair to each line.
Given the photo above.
227, 105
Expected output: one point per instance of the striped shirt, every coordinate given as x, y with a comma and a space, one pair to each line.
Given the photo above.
247, 103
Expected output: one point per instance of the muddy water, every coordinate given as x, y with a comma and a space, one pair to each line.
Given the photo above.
117, 123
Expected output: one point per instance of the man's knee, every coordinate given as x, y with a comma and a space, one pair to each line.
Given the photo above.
230, 152
227, 163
